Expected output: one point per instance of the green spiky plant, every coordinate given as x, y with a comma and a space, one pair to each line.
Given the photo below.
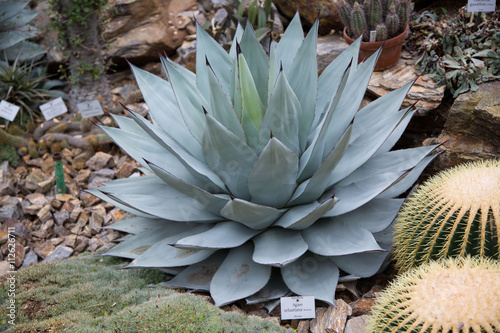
261, 177
450, 295
15, 31
388, 18
455, 213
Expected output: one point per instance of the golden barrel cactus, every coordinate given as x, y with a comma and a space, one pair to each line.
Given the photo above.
455, 213
449, 295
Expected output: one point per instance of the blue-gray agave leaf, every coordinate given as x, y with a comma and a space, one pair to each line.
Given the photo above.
263, 179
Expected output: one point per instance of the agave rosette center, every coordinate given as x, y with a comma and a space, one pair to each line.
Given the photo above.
263, 178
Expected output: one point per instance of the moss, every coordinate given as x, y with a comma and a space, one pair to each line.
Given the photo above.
92, 294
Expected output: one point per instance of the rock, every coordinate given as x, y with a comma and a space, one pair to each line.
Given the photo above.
7, 187
37, 199
75, 214
187, 55
57, 241
61, 252
95, 223
44, 250
98, 182
64, 197
19, 254
328, 17
100, 160
237, 309
47, 165
11, 212
331, 319
81, 159
44, 214
356, 324
106, 247
104, 173
88, 199
82, 177
95, 244
130, 94
61, 217
126, 170
303, 326
81, 244
29, 259
35, 177
362, 306
46, 185
140, 29
5, 267
423, 92
329, 47
471, 129
70, 240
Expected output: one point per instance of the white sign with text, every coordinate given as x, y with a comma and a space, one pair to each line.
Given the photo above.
297, 307
481, 5
54, 108
8, 110
90, 108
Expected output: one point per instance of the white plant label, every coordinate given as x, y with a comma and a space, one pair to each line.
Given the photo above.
297, 307
373, 36
54, 108
481, 6
8, 110
90, 109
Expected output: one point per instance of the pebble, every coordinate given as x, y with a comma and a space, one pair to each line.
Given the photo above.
29, 259
331, 319
60, 252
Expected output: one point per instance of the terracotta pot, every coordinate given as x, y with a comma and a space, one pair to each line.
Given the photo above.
391, 50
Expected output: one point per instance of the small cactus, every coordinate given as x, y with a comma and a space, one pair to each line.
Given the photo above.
392, 20
381, 30
455, 213
358, 27
374, 12
345, 13
451, 295
404, 11
362, 17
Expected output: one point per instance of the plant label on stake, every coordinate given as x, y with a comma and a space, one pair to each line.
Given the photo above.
373, 36
481, 5
90, 108
297, 307
8, 111
54, 108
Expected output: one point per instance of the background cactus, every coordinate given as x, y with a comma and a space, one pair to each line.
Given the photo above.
452, 295
455, 213
372, 13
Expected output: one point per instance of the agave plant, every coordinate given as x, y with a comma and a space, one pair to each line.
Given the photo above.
261, 178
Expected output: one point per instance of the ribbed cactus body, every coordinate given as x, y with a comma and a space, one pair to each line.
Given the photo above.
359, 26
381, 30
373, 13
403, 12
452, 295
345, 12
361, 18
392, 20
455, 213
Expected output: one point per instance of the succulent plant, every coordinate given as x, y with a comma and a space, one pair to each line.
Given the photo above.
449, 295
362, 18
262, 178
460, 53
455, 213
15, 30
